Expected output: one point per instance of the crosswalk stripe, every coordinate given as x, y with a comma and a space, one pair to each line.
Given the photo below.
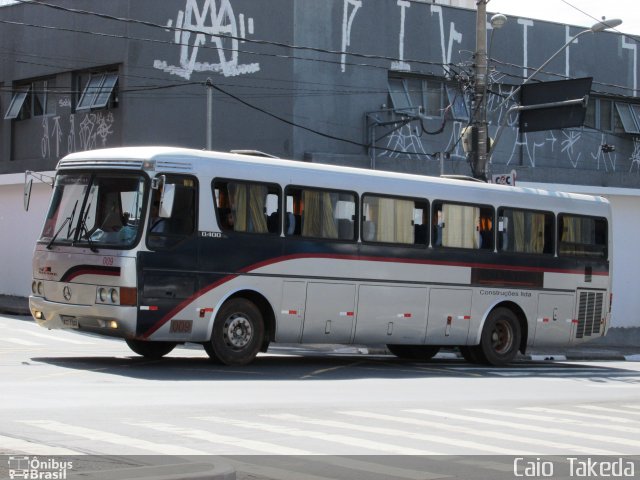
328, 437
11, 445
395, 433
56, 338
197, 434
617, 428
20, 341
606, 409
534, 428
552, 445
590, 416
263, 471
102, 436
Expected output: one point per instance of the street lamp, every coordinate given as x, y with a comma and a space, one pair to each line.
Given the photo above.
596, 27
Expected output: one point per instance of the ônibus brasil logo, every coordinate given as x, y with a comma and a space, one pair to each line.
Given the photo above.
34, 468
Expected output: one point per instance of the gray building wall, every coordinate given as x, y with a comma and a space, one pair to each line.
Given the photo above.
316, 77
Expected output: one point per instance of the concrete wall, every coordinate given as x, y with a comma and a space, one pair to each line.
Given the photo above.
19, 231
626, 262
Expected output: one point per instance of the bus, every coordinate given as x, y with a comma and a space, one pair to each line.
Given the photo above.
161, 246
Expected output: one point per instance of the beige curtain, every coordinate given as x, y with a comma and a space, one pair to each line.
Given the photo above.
460, 226
536, 239
519, 242
318, 217
248, 217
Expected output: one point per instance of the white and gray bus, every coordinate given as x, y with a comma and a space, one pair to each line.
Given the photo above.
161, 246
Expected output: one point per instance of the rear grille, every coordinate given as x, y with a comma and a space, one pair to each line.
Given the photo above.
590, 306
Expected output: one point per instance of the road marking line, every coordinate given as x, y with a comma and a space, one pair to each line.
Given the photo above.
395, 433
616, 428
325, 370
554, 446
13, 445
534, 428
606, 409
581, 414
352, 442
20, 341
120, 440
263, 447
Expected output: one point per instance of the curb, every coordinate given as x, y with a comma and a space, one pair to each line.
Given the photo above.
178, 471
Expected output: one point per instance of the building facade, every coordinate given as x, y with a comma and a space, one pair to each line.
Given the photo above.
382, 84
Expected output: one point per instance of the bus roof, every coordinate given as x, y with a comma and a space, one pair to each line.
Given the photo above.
207, 163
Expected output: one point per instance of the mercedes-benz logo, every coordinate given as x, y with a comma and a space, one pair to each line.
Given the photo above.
66, 293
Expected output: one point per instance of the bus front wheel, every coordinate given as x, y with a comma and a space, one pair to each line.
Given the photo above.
238, 332
500, 337
414, 352
153, 350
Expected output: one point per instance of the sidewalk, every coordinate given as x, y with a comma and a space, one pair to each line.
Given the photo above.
620, 343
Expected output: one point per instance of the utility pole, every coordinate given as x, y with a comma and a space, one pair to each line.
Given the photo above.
479, 131
209, 86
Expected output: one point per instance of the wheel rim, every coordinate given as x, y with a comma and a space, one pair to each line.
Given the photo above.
502, 337
237, 331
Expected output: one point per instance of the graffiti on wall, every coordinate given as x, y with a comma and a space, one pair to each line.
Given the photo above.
92, 130
576, 148
209, 34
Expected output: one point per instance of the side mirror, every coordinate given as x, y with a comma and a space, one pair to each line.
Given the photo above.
28, 184
166, 200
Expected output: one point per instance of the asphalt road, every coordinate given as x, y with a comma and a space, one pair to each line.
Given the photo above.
67, 394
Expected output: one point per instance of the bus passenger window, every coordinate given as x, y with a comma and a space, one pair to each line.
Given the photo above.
462, 226
247, 207
320, 214
582, 236
525, 231
394, 220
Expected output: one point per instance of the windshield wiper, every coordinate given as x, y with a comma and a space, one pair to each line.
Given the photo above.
83, 227
68, 220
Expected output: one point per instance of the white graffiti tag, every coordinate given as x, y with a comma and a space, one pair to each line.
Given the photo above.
192, 27
570, 139
635, 156
606, 157
347, 22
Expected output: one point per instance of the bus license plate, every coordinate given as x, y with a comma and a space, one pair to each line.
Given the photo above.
70, 322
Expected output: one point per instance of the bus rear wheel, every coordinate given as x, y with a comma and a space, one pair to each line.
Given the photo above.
500, 337
152, 350
414, 352
238, 332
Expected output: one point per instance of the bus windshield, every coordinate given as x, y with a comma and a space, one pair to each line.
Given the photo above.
100, 209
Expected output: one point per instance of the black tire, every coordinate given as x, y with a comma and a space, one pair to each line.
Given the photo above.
500, 339
414, 352
152, 350
238, 332
473, 354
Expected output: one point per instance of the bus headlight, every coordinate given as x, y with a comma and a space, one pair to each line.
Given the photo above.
102, 294
117, 296
37, 287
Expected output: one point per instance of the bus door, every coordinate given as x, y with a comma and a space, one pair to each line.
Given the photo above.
167, 274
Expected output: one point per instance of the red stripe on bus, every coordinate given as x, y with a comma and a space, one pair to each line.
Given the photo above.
67, 277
